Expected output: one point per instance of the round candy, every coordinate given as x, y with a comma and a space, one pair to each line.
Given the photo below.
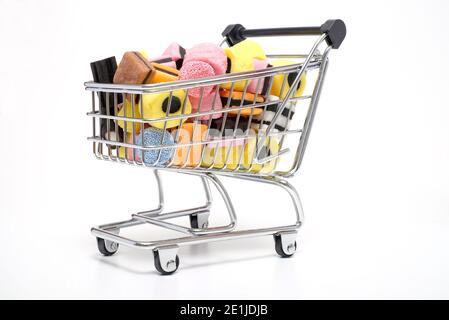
258, 85
202, 61
242, 55
156, 106
278, 80
209, 102
271, 147
196, 70
223, 153
209, 53
153, 137
241, 58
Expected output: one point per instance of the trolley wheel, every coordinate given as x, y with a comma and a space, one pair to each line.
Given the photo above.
199, 220
106, 247
166, 267
284, 245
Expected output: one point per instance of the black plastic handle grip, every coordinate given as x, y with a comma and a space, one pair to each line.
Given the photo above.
334, 29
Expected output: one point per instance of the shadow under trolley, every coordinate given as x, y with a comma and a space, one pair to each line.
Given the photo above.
257, 148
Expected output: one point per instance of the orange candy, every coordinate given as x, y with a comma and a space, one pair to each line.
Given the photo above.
189, 155
236, 101
163, 73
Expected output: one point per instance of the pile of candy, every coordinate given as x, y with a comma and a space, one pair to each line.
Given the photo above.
201, 61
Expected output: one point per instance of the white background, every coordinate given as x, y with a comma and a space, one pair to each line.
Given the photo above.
374, 183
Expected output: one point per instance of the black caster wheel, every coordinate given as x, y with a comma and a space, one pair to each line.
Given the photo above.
199, 221
106, 247
284, 248
166, 267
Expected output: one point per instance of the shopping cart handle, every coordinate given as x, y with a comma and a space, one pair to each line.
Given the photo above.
334, 29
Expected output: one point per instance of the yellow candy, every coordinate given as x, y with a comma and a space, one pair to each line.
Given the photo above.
130, 151
155, 106
121, 152
222, 158
241, 57
127, 106
271, 147
278, 80
144, 53
235, 157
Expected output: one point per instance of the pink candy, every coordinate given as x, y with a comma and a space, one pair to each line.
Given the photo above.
206, 105
209, 53
258, 65
171, 56
175, 51
196, 70
202, 61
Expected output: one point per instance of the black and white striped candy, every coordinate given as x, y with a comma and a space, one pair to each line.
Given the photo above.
261, 122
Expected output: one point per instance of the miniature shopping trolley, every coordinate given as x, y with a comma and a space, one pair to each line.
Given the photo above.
251, 137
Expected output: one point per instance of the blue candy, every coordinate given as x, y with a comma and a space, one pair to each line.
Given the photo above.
155, 137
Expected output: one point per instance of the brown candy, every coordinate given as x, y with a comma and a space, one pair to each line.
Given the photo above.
133, 69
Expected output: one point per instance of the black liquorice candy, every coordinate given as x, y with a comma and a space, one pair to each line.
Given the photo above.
103, 72
230, 128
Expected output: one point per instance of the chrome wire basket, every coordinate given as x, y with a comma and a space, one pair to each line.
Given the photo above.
254, 136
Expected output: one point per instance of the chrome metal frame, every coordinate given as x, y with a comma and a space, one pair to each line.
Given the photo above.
167, 249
